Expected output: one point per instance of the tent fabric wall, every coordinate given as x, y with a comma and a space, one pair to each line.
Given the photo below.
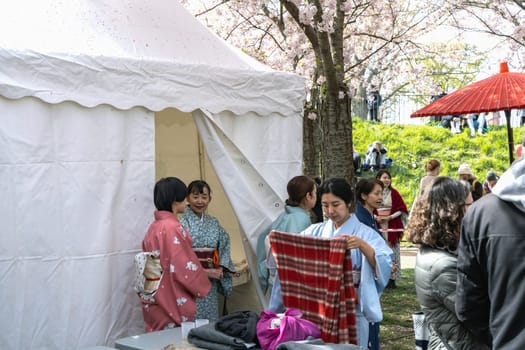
77, 163
76, 185
254, 166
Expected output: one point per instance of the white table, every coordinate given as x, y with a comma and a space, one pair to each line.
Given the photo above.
153, 340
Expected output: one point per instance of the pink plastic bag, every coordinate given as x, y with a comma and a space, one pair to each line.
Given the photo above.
274, 329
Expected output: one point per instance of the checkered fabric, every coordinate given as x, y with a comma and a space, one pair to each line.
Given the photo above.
316, 278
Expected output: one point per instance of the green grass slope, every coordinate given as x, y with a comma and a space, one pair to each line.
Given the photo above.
411, 146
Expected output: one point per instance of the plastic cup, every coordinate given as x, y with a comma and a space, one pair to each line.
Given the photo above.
185, 329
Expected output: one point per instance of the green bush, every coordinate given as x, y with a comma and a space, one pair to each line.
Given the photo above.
411, 146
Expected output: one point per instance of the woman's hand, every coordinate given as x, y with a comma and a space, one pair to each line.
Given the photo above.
353, 242
215, 273
384, 219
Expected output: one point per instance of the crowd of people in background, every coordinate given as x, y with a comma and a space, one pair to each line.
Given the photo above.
476, 123
457, 266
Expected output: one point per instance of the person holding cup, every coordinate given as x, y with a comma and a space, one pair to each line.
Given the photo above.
390, 218
369, 250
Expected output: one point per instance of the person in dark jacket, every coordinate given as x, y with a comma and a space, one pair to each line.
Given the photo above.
373, 102
491, 267
435, 225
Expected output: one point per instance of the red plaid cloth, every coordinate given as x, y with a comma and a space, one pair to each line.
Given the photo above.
316, 278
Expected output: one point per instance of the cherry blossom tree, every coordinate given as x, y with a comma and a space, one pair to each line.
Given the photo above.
340, 46
502, 19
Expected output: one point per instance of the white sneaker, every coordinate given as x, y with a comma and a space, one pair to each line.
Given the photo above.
472, 133
480, 132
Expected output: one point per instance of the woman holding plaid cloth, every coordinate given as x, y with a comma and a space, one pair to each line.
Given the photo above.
370, 253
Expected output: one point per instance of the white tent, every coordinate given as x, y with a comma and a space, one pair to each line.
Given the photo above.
81, 82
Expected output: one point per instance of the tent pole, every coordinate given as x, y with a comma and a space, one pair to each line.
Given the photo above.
510, 137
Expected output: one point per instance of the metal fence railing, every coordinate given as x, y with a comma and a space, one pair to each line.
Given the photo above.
397, 110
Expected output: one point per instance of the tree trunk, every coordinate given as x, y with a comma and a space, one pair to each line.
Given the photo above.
310, 147
336, 145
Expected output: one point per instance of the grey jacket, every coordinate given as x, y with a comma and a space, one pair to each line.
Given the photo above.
435, 275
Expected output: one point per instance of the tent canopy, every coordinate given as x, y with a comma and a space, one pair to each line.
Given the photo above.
130, 53
79, 84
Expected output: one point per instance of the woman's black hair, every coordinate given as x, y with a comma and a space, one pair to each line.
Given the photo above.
339, 187
167, 191
198, 186
383, 171
366, 186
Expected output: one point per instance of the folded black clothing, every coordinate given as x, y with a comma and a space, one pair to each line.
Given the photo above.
240, 324
207, 337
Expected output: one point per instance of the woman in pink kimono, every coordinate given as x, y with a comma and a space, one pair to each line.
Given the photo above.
180, 278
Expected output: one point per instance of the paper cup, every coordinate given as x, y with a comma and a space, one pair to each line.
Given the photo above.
185, 328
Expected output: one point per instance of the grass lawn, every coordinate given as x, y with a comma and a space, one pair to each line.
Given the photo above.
399, 304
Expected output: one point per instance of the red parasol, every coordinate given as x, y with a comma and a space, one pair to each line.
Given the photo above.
501, 92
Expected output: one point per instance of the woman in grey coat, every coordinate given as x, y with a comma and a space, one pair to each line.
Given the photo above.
435, 225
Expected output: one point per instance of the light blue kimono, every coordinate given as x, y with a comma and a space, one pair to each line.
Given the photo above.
294, 220
373, 282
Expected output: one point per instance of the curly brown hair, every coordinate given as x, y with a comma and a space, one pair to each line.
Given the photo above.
436, 221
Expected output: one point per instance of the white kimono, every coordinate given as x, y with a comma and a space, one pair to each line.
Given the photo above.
372, 282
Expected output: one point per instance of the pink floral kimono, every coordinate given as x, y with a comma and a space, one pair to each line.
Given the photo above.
182, 279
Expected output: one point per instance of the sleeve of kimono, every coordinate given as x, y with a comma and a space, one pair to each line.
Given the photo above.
383, 257
373, 282
261, 259
225, 261
313, 230
179, 260
398, 204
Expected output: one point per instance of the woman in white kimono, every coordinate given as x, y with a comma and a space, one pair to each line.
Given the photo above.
370, 253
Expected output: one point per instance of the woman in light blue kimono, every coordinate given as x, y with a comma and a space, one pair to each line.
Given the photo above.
302, 196
206, 232
370, 253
